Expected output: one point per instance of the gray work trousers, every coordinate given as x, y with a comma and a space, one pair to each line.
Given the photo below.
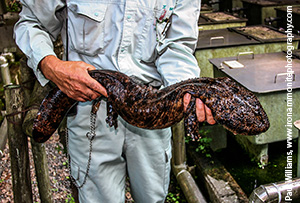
143, 155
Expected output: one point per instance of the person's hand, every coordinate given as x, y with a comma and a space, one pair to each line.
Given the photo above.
202, 111
72, 78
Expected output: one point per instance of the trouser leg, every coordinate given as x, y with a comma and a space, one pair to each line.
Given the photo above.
144, 153
148, 154
105, 181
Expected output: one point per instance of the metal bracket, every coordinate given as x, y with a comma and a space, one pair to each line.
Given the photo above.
245, 53
216, 38
282, 74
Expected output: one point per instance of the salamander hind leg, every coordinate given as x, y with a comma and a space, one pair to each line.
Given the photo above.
191, 124
112, 116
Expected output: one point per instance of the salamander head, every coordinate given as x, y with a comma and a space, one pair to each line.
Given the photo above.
239, 110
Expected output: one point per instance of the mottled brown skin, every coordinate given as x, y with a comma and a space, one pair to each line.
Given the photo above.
234, 107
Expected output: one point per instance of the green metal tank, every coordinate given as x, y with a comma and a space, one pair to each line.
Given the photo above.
233, 41
265, 75
219, 20
227, 5
206, 8
258, 10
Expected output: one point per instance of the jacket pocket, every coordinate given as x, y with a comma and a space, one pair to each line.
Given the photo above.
86, 27
150, 23
145, 36
163, 21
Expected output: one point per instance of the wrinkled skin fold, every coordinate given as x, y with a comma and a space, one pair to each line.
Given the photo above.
234, 107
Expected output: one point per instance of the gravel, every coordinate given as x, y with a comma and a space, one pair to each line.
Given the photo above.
58, 172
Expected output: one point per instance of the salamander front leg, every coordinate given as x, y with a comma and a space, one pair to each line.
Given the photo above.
190, 121
112, 116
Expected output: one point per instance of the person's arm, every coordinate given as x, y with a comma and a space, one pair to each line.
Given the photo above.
40, 23
176, 60
72, 78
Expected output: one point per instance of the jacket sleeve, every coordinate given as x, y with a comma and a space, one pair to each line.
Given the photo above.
176, 61
39, 25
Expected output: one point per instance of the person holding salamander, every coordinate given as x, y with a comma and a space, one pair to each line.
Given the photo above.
152, 41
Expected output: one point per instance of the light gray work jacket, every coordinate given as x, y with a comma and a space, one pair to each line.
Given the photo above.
152, 40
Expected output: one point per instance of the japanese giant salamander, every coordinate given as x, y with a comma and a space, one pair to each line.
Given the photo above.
234, 107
